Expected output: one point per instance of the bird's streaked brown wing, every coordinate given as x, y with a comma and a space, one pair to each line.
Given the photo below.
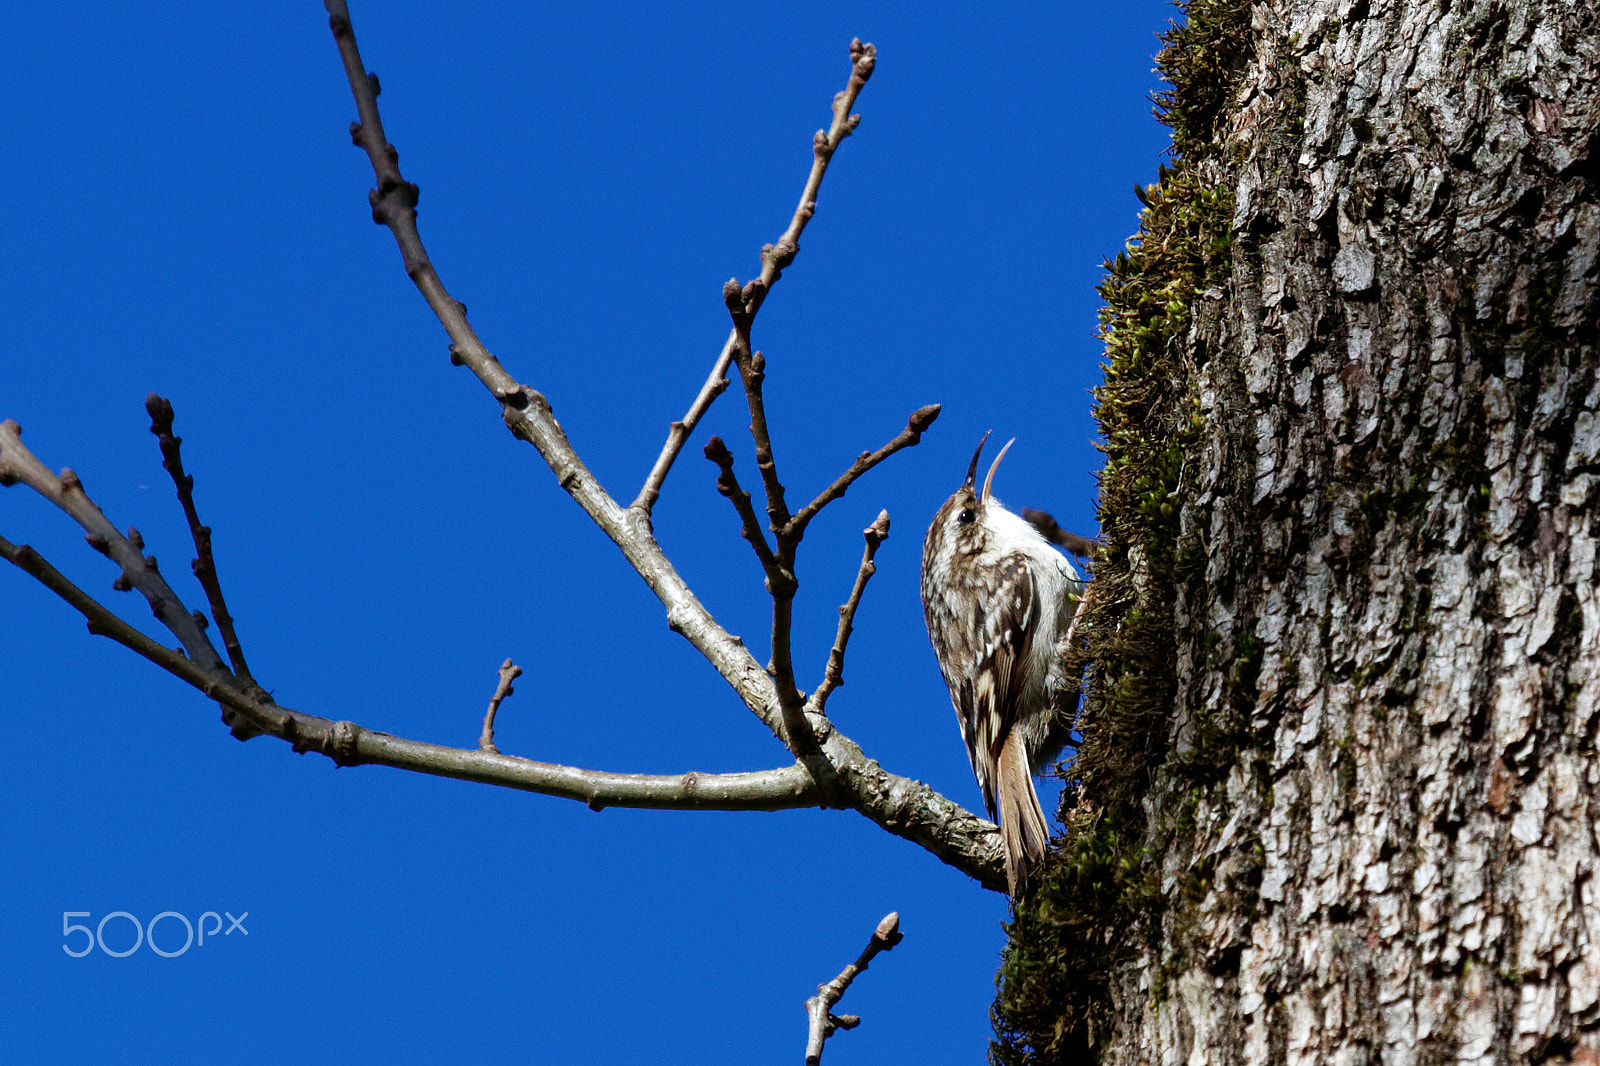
988, 694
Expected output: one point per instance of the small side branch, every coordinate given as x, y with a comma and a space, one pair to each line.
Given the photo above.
753, 372
819, 1008
139, 571
678, 434
779, 580
509, 672
102, 620
1050, 529
916, 425
775, 257
833, 675
781, 583
204, 565
743, 300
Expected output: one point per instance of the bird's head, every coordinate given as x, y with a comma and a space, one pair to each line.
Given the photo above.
959, 527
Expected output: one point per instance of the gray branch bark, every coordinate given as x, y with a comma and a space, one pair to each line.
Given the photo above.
819, 1008
830, 770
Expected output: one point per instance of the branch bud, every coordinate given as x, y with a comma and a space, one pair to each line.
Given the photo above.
922, 418
889, 930
878, 532
864, 58
718, 452
731, 296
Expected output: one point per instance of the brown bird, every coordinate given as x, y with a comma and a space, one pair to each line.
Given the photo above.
998, 600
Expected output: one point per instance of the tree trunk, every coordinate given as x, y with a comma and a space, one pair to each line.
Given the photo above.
1339, 791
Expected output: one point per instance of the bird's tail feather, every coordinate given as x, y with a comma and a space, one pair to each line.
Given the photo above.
1023, 830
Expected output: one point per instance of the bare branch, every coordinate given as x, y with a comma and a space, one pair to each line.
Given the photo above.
791, 701
139, 571
784, 788
509, 672
778, 579
527, 413
781, 583
910, 809
776, 257
916, 425
250, 712
753, 372
847, 778
102, 620
902, 806
746, 300
678, 435
838, 774
204, 564
1050, 529
819, 1007
833, 675
349, 744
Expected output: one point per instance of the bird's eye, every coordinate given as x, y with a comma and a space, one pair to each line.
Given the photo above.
966, 516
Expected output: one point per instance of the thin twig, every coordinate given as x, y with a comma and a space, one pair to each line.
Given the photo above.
204, 564
753, 373
797, 731
678, 434
1050, 529
833, 675
781, 584
788, 538
139, 571
745, 301
778, 579
102, 620
819, 1007
774, 258
916, 425
509, 672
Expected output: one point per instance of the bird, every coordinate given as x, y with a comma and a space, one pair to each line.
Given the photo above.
999, 601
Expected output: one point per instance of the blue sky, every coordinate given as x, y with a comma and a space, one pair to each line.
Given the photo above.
185, 213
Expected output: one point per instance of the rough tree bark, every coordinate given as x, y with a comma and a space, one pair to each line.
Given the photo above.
1339, 795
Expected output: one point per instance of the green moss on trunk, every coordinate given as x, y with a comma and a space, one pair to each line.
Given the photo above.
1096, 903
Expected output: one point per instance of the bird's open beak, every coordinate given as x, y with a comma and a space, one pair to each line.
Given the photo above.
989, 481
972, 467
